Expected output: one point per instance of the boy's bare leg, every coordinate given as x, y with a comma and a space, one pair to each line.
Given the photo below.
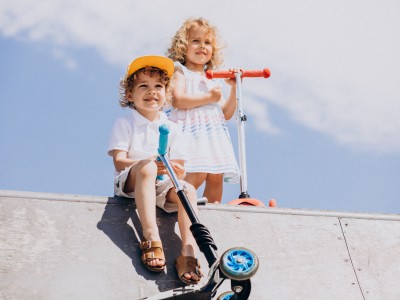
142, 177
189, 245
214, 188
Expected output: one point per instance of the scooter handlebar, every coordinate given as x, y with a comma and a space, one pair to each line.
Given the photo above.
163, 141
243, 73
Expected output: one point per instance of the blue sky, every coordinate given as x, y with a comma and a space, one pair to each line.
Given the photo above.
323, 131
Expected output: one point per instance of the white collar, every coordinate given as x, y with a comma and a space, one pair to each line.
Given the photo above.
139, 120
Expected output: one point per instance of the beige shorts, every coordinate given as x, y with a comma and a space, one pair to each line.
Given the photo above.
162, 187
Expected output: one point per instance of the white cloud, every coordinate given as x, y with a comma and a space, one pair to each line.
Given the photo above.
69, 61
335, 65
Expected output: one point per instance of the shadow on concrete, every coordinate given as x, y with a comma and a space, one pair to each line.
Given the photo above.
114, 223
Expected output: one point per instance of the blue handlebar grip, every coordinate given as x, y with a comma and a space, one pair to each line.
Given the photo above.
163, 142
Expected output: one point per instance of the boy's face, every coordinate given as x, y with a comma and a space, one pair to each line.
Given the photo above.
148, 94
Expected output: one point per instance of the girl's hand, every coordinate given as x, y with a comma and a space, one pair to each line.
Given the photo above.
232, 81
215, 94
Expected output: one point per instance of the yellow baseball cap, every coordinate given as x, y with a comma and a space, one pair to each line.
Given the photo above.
161, 62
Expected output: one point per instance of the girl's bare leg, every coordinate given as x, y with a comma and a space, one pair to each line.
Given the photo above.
195, 179
214, 188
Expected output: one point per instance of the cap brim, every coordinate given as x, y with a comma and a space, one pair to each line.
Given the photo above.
161, 62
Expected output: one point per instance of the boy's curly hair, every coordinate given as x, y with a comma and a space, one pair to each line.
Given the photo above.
126, 85
177, 51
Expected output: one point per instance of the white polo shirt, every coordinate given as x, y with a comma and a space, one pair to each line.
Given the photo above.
140, 137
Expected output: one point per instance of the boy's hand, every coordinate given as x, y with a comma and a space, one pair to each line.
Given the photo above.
178, 169
161, 170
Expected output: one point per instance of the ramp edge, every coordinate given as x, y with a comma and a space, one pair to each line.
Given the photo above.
210, 206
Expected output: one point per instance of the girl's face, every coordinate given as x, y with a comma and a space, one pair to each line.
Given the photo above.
148, 95
199, 48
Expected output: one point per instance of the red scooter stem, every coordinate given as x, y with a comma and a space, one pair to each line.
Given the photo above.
243, 73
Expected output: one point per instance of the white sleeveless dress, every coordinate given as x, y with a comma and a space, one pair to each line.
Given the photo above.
209, 144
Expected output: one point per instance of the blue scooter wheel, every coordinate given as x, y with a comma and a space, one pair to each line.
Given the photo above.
239, 263
226, 296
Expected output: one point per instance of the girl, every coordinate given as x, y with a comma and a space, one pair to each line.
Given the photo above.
200, 110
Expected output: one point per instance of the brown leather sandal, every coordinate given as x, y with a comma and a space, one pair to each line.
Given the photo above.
188, 264
152, 250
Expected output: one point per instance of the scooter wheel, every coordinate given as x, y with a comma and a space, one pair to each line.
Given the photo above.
239, 263
242, 288
226, 296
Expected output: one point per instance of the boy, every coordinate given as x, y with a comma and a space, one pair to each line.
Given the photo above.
133, 146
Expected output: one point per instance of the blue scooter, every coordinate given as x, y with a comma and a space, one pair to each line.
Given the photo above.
237, 264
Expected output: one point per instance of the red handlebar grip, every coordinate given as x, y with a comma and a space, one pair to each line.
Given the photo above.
244, 73
210, 74
256, 73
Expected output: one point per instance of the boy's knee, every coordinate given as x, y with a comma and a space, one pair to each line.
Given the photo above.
146, 167
188, 187
190, 190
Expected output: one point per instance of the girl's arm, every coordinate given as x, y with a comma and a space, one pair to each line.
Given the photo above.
229, 106
181, 100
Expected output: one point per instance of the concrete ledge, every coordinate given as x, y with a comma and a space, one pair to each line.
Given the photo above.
57, 246
221, 207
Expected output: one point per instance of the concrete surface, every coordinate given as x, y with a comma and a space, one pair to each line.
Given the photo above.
56, 246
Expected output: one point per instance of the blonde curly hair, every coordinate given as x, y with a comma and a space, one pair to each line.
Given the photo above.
177, 51
126, 85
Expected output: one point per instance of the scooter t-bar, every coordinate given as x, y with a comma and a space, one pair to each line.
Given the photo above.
243, 73
239, 74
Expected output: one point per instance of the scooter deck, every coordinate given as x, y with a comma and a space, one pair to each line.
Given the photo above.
194, 292
181, 294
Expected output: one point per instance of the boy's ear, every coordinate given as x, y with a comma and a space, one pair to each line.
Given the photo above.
129, 96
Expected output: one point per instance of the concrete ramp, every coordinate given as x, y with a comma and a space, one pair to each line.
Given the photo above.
84, 247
